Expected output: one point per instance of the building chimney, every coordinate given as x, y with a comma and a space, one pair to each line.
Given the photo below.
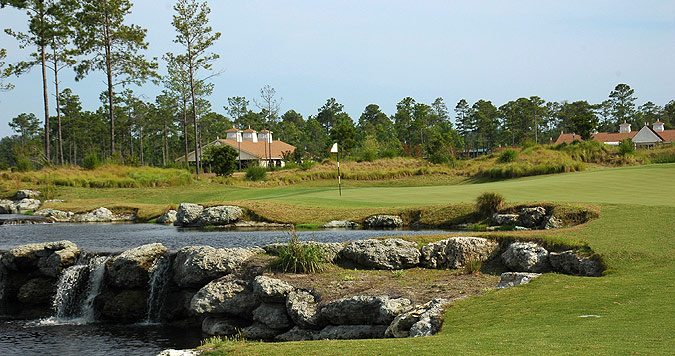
250, 135
658, 126
624, 128
265, 136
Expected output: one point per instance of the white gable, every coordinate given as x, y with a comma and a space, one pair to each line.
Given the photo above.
645, 135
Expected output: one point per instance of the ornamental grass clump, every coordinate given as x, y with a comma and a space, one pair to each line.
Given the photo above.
508, 155
297, 257
489, 203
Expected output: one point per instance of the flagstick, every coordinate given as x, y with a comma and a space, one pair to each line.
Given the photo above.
339, 182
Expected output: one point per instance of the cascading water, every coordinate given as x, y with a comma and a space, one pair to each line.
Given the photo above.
76, 290
159, 279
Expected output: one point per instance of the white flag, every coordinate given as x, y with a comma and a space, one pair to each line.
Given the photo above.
334, 149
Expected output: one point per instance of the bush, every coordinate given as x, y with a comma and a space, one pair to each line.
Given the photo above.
221, 159
91, 161
297, 257
626, 147
489, 203
508, 155
23, 164
307, 165
256, 173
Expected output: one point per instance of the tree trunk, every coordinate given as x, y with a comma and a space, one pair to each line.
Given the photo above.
58, 103
165, 145
185, 133
46, 99
194, 110
141, 139
108, 68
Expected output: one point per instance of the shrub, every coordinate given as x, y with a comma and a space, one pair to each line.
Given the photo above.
23, 164
489, 203
473, 265
256, 173
508, 155
626, 147
306, 165
297, 257
91, 161
222, 159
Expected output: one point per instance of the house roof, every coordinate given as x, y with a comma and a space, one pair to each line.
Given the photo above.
232, 130
600, 136
255, 149
249, 130
264, 131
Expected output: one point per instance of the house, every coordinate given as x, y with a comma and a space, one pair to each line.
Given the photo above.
646, 137
252, 147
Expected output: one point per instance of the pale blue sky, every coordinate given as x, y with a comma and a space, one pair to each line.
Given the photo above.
364, 52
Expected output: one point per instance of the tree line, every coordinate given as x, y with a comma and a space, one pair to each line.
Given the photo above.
93, 36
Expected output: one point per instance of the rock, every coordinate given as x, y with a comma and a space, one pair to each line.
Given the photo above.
125, 306
56, 215
531, 217
58, 261
130, 269
195, 266
188, 214
31, 257
98, 215
219, 215
26, 193
340, 224
456, 252
298, 334
505, 219
364, 310
421, 320
173, 352
383, 254
167, 218
526, 257
551, 222
569, 262
261, 225
177, 305
271, 290
511, 279
7, 207
303, 309
331, 250
349, 332
222, 326
27, 204
383, 221
273, 315
37, 291
258, 331
224, 296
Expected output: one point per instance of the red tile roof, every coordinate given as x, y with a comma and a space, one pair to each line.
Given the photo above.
600, 136
259, 148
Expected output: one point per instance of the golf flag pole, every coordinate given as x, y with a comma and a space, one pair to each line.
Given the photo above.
334, 149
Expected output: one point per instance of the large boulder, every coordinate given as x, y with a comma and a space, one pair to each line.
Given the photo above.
526, 257
195, 266
531, 217
27, 204
188, 214
456, 252
271, 290
383, 254
298, 334
7, 207
551, 222
340, 224
31, 257
222, 326
512, 279
569, 262
168, 218
331, 250
505, 219
259, 331
56, 215
364, 310
304, 310
273, 315
422, 320
220, 215
27, 193
124, 306
350, 332
101, 214
383, 221
37, 291
131, 268
224, 296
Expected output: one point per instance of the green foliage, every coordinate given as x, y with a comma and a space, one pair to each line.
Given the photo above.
297, 257
307, 165
222, 159
489, 203
626, 147
23, 164
473, 265
256, 173
91, 161
508, 155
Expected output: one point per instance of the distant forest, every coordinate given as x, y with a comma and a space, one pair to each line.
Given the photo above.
93, 36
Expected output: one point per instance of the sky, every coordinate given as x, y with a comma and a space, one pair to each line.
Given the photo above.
380, 51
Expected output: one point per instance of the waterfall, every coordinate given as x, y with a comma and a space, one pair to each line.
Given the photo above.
68, 288
159, 279
76, 290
